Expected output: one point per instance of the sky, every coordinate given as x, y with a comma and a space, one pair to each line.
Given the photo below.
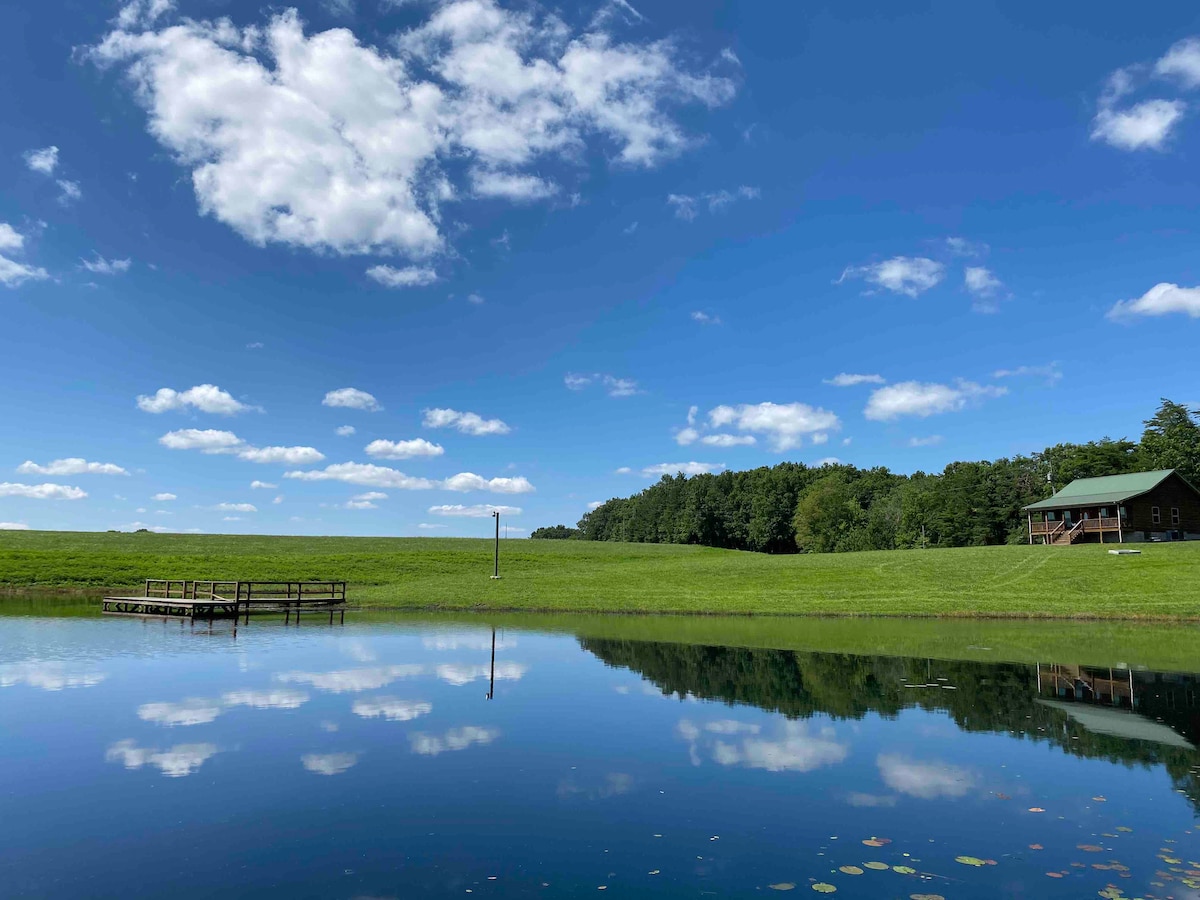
381, 267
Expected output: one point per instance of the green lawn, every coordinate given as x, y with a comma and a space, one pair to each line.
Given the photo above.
565, 576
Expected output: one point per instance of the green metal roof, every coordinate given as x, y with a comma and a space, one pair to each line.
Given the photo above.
1108, 489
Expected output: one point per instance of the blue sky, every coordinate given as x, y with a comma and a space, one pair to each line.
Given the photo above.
533, 255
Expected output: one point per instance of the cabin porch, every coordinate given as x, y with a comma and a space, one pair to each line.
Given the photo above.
1073, 525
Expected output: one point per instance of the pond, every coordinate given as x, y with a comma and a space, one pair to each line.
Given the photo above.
390, 757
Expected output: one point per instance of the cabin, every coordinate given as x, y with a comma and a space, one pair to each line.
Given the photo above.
1143, 506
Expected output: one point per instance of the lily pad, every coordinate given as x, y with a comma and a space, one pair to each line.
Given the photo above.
970, 860
851, 870
926, 897
1090, 848
1036, 847
877, 866
783, 886
822, 887
904, 870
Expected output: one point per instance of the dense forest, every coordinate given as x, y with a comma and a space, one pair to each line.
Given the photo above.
792, 507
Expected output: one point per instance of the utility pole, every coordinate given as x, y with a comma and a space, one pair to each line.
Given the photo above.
496, 565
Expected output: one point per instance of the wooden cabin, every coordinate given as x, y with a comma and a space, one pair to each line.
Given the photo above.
1143, 506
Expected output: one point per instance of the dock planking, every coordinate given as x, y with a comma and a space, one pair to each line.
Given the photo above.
230, 599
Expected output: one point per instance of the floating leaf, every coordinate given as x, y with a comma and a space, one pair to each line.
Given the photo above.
1036, 809
926, 897
904, 870
970, 860
877, 866
1054, 874
1125, 828
783, 886
1090, 848
822, 887
851, 870
1100, 799
1036, 847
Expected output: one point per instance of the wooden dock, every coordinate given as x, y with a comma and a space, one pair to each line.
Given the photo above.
231, 599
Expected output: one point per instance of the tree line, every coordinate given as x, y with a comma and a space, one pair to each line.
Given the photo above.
792, 507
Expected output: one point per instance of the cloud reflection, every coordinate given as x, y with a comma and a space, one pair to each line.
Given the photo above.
454, 739
796, 749
48, 676
613, 785
193, 711
352, 680
467, 641
460, 674
924, 780
174, 762
271, 699
391, 708
328, 763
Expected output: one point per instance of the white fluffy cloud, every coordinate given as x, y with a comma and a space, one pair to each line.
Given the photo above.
980, 281
68, 191
165, 497
705, 318
319, 141
285, 456
351, 398
206, 440
262, 485
924, 780
479, 511
728, 440
236, 507
784, 424
205, 397
687, 468
914, 398
13, 526
930, 441
469, 481
13, 273
910, 275
344, 430
102, 266
1161, 300
466, 422
417, 447
70, 466
847, 379
616, 387
365, 474
10, 238
1182, 63
408, 276
44, 160
41, 491
797, 749
1049, 371
1145, 125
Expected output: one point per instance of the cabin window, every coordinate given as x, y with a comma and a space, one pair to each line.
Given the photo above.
1174, 515
1155, 515
1049, 517
1104, 512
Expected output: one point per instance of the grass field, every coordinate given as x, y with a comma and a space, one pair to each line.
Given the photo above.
570, 576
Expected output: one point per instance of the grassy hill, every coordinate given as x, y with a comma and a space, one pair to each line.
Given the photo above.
561, 576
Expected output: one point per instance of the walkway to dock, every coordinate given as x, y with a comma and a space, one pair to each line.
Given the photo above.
231, 599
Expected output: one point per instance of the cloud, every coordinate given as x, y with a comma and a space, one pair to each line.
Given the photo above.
174, 762
205, 397
164, 497
962, 247
195, 711
206, 440
466, 422
846, 379
1050, 371
432, 526
68, 191
926, 781
370, 495
476, 299
316, 140
728, 440
409, 276
479, 511
913, 398
49, 675
10, 238
255, 345
616, 387
359, 504
352, 680
403, 449
687, 206
41, 491
687, 468
102, 266
454, 739
685, 437
797, 750
269, 699
869, 800
351, 398
44, 160
732, 726
13, 526
286, 456
236, 507
595, 504
705, 319
262, 485
328, 763
784, 424
469, 481
1144, 125
1182, 63
623, 470
907, 275
13, 273
931, 441
143, 12
366, 474
1163, 299
70, 466
458, 675
391, 708
344, 430
980, 281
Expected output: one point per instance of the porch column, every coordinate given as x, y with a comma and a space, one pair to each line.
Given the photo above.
1030, 516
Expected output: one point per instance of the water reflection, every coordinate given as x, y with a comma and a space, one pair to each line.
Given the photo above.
48, 675
454, 739
328, 763
174, 762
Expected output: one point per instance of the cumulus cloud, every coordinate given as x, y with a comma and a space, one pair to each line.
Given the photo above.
1163, 299
352, 398
595, 504
262, 485
1149, 123
705, 318
929, 441
784, 424
13, 273
344, 430
319, 141
924, 780
847, 379
73, 465
68, 191
102, 266
616, 387
417, 447
458, 675
287, 456
469, 481
408, 276
687, 468
49, 675
479, 511
44, 160
1181, 63
466, 422
728, 440
41, 491
164, 497
10, 238
914, 398
365, 474
206, 440
909, 275
236, 507
205, 397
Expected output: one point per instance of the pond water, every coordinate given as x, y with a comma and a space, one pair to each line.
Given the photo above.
390, 758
